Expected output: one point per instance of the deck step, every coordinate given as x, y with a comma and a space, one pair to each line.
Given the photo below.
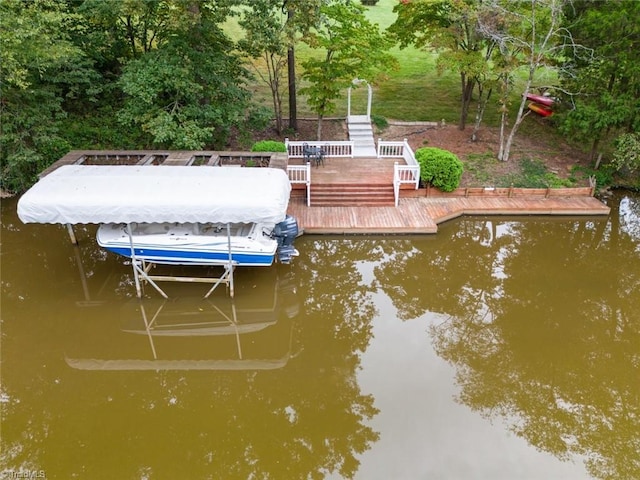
352, 194
361, 134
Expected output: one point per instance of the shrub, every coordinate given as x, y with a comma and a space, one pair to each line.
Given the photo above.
627, 152
269, 146
440, 168
380, 122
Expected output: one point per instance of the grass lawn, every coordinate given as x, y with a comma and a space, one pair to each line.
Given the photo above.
413, 92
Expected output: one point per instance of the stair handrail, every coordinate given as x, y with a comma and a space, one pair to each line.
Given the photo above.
402, 174
301, 174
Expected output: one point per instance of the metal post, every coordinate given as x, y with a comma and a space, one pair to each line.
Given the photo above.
72, 235
133, 261
230, 266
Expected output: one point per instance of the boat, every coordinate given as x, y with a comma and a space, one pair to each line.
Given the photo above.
540, 109
176, 215
541, 99
172, 215
247, 244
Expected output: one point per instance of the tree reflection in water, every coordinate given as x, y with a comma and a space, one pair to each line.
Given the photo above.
304, 420
543, 329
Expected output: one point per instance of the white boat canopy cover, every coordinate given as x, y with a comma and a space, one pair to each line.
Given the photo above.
75, 194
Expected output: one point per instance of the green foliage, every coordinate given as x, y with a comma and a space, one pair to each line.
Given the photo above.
352, 47
534, 174
604, 176
269, 146
186, 96
258, 118
450, 28
41, 70
603, 85
627, 152
380, 122
439, 167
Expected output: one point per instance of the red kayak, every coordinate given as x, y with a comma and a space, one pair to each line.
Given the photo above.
541, 99
540, 109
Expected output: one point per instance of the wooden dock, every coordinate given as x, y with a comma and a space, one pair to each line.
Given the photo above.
423, 214
417, 213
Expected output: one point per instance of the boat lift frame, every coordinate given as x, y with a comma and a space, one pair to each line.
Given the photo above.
84, 194
141, 269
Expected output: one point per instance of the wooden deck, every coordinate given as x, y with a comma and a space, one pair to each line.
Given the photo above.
417, 214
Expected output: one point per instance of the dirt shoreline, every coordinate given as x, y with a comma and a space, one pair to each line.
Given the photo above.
559, 157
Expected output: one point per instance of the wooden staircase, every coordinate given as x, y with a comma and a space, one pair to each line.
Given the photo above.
352, 195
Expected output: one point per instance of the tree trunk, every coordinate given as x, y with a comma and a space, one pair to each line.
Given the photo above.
274, 66
291, 69
506, 150
482, 105
467, 92
293, 108
319, 130
503, 122
594, 148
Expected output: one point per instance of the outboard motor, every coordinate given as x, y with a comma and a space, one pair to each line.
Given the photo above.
285, 233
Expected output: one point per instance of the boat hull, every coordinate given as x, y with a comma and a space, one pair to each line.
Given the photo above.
190, 244
541, 99
540, 109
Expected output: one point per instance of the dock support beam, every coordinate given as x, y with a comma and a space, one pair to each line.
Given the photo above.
72, 235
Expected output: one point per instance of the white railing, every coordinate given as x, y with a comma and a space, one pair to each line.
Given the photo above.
301, 174
390, 149
329, 149
402, 174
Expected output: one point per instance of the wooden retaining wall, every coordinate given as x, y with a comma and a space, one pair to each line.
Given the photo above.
509, 192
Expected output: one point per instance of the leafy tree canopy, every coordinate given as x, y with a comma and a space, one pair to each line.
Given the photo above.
605, 87
353, 48
188, 93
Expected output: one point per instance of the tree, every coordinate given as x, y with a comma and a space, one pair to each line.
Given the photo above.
301, 16
450, 28
353, 48
266, 38
529, 35
189, 92
605, 86
41, 68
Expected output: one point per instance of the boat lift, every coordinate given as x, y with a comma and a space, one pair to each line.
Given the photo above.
141, 269
96, 194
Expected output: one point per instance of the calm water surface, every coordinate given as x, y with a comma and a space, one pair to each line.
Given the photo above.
499, 348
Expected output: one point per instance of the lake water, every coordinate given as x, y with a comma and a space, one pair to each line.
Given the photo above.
499, 348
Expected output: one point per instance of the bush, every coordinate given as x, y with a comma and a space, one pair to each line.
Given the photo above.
440, 168
269, 146
380, 122
627, 153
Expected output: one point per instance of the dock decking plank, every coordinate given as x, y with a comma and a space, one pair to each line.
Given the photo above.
422, 215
